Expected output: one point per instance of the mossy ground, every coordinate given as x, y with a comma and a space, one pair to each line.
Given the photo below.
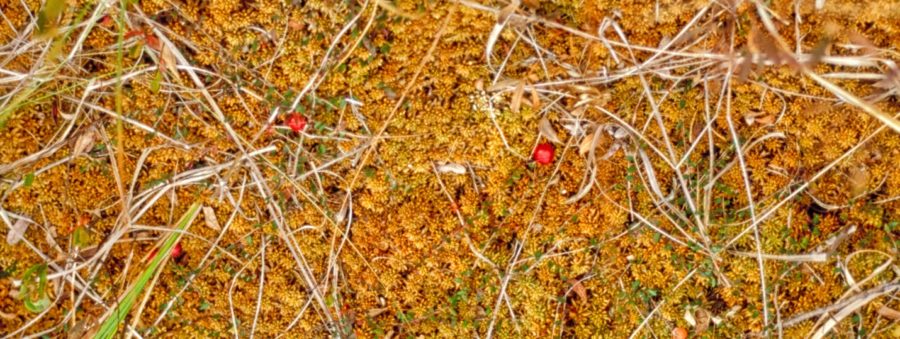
399, 247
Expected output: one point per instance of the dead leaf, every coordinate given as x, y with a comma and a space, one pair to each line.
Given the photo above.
766, 120
492, 39
167, 61
296, 25
517, 97
452, 168
578, 288
508, 10
16, 232
703, 318
84, 142
861, 40
547, 131
375, 312
535, 99
889, 313
590, 142
857, 180
503, 84
209, 214
585, 145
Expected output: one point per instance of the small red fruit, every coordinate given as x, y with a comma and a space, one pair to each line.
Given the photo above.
543, 154
296, 122
177, 251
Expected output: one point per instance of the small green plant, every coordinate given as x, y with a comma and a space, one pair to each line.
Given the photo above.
35, 296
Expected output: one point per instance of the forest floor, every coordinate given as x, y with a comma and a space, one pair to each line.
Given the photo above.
422, 168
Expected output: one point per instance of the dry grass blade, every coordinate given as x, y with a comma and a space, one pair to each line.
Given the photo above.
850, 308
888, 312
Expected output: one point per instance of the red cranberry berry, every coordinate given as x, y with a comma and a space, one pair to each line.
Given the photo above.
296, 122
543, 154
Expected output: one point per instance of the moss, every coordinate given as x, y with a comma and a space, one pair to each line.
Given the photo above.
407, 267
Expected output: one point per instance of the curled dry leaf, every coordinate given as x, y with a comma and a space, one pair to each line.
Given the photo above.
578, 288
67, 116
375, 312
589, 142
16, 232
547, 131
703, 318
84, 142
167, 60
209, 215
452, 168
752, 117
857, 180
518, 94
535, 98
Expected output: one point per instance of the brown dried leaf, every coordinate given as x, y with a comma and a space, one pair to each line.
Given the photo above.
766, 120
508, 10
518, 93
702, 317
167, 60
296, 25
547, 131
84, 142
578, 288
16, 232
503, 84
375, 312
209, 215
535, 99
586, 144
857, 180
452, 168
861, 40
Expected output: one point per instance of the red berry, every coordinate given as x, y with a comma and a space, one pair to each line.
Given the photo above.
296, 122
543, 154
177, 251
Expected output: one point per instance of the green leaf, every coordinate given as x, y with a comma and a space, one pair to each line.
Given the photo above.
154, 83
29, 179
35, 297
80, 238
116, 316
50, 13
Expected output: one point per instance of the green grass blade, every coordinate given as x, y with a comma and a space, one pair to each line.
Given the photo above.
108, 329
